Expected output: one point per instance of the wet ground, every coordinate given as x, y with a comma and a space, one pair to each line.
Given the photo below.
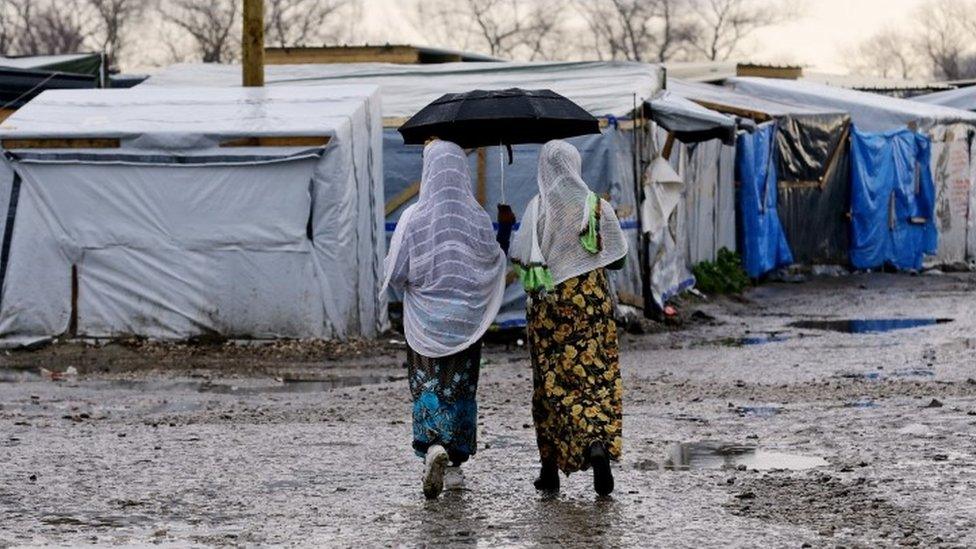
771, 421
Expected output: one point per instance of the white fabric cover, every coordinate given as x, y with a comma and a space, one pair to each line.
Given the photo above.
601, 87
662, 189
174, 236
870, 112
446, 260
558, 212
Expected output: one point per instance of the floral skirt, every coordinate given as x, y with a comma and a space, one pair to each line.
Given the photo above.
445, 407
578, 395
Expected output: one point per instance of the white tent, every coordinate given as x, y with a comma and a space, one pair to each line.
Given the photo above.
183, 212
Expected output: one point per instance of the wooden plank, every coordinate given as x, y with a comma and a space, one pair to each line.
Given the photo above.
798, 185
630, 299
282, 141
834, 155
481, 192
252, 43
668, 146
342, 54
402, 198
5, 113
69, 143
73, 319
728, 109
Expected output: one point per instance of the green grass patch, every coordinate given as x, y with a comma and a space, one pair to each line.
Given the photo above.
725, 275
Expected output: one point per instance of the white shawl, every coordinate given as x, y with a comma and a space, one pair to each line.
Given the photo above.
445, 258
558, 215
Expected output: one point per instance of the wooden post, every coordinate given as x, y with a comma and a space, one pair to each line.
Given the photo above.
481, 192
73, 319
252, 43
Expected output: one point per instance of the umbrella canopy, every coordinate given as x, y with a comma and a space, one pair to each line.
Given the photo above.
483, 118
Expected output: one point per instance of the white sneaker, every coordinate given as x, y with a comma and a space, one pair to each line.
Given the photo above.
436, 462
453, 479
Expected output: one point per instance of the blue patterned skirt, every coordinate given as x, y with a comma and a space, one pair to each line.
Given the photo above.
445, 406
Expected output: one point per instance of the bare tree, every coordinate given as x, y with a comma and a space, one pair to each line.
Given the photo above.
308, 22
8, 26
720, 26
637, 30
211, 24
943, 35
114, 16
514, 29
886, 54
50, 27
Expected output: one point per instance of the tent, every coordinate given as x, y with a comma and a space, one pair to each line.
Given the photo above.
950, 131
608, 90
183, 212
811, 166
961, 98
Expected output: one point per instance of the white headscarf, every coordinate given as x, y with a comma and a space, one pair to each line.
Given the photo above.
445, 258
559, 214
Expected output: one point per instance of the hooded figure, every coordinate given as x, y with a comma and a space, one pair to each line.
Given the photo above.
445, 259
567, 239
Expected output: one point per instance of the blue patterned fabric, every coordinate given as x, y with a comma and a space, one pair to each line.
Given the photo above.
445, 407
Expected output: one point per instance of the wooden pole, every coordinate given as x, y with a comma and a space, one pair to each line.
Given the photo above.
481, 192
252, 43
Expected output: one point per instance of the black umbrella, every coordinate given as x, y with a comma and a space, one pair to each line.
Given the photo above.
486, 118
483, 118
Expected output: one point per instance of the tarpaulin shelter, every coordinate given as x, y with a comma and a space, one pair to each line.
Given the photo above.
950, 131
607, 90
811, 166
762, 244
887, 200
172, 213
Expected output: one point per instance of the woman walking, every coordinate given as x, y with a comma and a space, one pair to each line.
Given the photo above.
445, 260
567, 239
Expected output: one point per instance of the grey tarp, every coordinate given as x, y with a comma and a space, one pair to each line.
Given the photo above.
689, 121
812, 208
950, 130
170, 234
609, 90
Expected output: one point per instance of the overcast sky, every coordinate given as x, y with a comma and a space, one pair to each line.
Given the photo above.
817, 39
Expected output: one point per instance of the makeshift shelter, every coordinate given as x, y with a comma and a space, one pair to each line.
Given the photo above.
811, 167
950, 131
689, 209
172, 213
608, 90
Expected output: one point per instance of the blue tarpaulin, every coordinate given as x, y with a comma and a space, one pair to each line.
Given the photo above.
892, 200
763, 242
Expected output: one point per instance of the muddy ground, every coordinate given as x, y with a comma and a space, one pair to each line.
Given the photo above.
309, 444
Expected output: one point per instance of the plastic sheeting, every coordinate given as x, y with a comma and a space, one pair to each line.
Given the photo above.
962, 98
763, 243
871, 112
689, 121
601, 87
892, 200
173, 236
813, 200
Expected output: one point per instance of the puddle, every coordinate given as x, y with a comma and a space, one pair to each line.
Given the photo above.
878, 375
687, 456
868, 326
762, 340
287, 386
758, 411
863, 403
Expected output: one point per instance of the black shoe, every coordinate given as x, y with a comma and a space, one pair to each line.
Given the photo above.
548, 480
602, 475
